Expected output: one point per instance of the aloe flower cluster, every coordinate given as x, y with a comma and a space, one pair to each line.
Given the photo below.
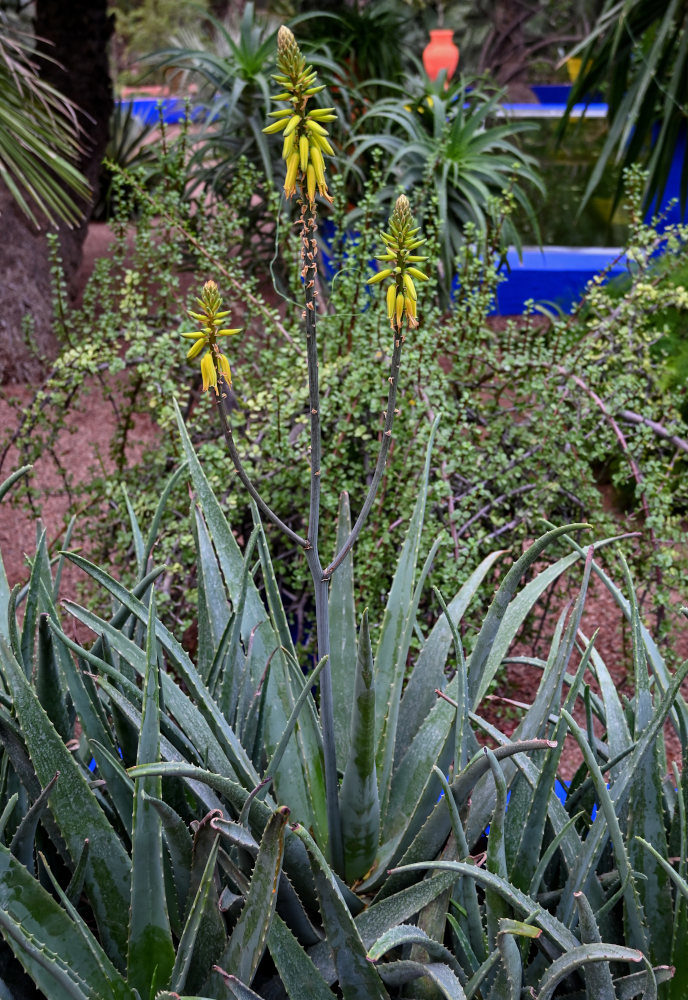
400, 242
305, 137
213, 362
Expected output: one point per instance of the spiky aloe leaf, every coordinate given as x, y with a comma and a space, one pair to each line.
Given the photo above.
189, 717
646, 806
205, 897
407, 934
405, 971
429, 671
558, 932
137, 537
5, 487
295, 782
426, 832
151, 952
76, 811
37, 929
40, 574
358, 798
247, 943
633, 910
358, 980
304, 696
274, 598
181, 660
236, 989
598, 977
504, 618
22, 845
678, 707
390, 655
380, 917
495, 906
529, 837
615, 724
213, 612
154, 529
294, 965
211, 937
575, 959
50, 688
343, 637
387, 741
510, 976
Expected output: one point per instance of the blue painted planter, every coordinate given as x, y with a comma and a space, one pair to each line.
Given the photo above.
555, 275
147, 109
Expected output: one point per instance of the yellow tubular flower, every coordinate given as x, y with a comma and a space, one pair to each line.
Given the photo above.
208, 372
224, 369
399, 309
391, 300
310, 182
303, 153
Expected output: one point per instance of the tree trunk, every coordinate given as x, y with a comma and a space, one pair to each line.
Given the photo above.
75, 37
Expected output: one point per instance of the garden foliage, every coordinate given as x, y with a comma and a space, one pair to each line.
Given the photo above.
270, 824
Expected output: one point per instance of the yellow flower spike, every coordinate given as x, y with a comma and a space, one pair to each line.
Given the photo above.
315, 127
208, 372
400, 238
318, 163
321, 142
300, 127
212, 360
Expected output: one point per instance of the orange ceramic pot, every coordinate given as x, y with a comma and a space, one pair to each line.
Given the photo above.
440, 53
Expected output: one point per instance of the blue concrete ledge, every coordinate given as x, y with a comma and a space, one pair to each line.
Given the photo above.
147, 109
554, 275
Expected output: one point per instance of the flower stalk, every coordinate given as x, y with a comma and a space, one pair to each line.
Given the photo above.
305, 144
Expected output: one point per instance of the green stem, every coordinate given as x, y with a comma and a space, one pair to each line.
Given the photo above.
309, 252
241, 472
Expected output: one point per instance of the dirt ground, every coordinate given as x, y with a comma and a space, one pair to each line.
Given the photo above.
88, 437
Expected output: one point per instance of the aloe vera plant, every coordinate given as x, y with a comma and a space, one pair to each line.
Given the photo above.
551, 894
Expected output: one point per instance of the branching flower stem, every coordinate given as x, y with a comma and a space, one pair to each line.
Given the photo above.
243, 476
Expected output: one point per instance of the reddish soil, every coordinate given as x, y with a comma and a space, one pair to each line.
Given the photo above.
85, 441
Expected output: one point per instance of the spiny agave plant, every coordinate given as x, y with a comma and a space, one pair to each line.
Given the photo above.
228, 810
